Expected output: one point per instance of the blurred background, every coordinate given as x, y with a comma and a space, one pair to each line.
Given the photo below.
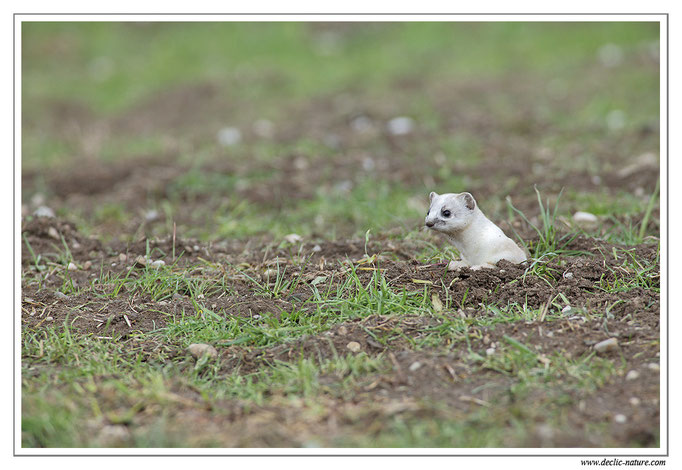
234, 130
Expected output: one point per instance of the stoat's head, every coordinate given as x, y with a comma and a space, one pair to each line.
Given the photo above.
450, 212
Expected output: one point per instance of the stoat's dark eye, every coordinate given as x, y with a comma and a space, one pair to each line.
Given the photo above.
446, 213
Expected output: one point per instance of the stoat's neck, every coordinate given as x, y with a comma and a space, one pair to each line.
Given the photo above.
464, 240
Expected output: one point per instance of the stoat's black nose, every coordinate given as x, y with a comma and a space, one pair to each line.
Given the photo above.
430, 223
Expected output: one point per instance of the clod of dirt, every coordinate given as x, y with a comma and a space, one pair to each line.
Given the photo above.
606, 345
198, 350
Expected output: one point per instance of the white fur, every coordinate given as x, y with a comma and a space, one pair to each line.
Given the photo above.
479, 241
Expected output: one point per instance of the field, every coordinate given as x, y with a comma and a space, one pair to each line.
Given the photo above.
261, 189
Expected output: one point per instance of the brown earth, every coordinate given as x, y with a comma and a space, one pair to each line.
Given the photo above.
509, 156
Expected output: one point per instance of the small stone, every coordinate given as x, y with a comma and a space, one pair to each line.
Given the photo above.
158, 263
610, 55
416, 365
606, 345
263, 128
566, 309
38, 199
61, 295
343, 331
49, 318
116, 435
270, 273
52, 232
490, 351
75, 245
44, 211
177, 296
353, 346
87, 265
229, 136
200, 349
293, 238
620, 418
122, 257
72, 267
632, 375
585, 219
151, 215
317, 248
615, 120
634, 401
568, 275
654, 366
361, 124
141, 261
400, 125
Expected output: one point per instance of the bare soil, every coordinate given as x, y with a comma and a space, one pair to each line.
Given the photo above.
142, 181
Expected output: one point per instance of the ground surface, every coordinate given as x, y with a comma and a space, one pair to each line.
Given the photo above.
351, 333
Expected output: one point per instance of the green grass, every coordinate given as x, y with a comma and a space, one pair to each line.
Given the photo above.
148, 382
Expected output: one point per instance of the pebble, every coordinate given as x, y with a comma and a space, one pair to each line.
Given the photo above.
566, 309
490, 351
634, 401
200, 349
620, 418
293, 238
140, 260
177, 296
270, 273
568, 275
87, 265
263, 128
114, 435
44, 211
361, 124
343, 331
229, 136
72, 267
49, 318
654, 366
400, 125
585, 218
615, 120
606, 345
353, 346
52, 232
151, 215
416, 365
158, 263
61, 295
632, 375
610, 55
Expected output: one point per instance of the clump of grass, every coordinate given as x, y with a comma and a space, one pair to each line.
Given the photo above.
550, 242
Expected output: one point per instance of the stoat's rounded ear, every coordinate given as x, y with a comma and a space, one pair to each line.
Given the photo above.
469, 201
432, 195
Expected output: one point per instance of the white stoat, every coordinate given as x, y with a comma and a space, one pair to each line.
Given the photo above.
479, 241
